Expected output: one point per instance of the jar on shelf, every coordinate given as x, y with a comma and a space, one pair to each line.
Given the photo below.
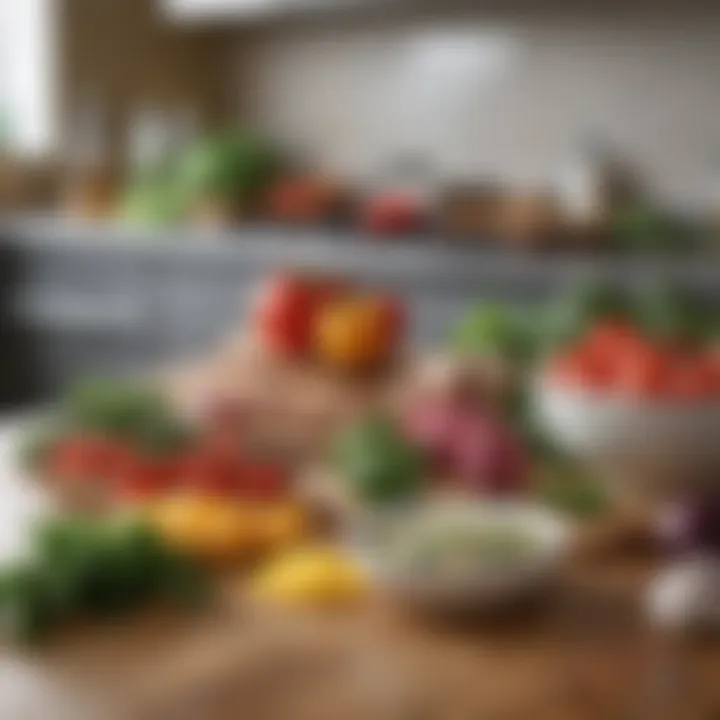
403, 200
90, 189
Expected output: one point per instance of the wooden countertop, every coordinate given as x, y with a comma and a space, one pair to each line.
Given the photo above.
581, 652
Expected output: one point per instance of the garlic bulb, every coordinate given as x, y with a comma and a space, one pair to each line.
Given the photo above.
687, 595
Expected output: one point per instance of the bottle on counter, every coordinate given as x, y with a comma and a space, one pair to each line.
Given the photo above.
592, 184
530, 218
156, 138
471, 211
150, 141
304, 198
90, 188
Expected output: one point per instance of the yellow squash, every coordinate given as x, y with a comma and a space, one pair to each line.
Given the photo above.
220, 530
316, 576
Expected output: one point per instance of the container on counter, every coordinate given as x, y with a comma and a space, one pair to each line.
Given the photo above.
530, 219
404, 201
90, 190
308, 199
593, 183
470, 212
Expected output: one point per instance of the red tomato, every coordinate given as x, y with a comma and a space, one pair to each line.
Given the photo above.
613, 336
284, 315
593, 370
695, 379
327, 290
135, 495
211, 472
644, 373
262, 481
711, 361
288, 334
67, 461
582, 368
142, 477
84, 458
394, 214
288, 308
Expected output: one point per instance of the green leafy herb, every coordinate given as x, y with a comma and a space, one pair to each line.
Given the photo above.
125, 411
570, 317
379, 463
93, 568
496, 330
229, 166
668, 314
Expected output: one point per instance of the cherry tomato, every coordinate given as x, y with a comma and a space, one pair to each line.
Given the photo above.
711, 364
211, 472
84, 458
140, 476
694, 379
262, 481
613, 336
394, 214
136, 493
582, 368
644, 374
287, 335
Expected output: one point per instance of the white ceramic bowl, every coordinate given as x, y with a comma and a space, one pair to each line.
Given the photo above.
659, 444
482, 587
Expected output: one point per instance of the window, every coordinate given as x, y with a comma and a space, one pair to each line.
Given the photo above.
28, 70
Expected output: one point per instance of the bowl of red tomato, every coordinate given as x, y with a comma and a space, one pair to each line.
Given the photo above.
647, 412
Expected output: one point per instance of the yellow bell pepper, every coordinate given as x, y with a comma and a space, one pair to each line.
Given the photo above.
354, 334
218, 529
281, 525
208, 528
311, 577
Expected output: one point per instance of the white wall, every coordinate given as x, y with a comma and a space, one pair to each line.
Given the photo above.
487, 94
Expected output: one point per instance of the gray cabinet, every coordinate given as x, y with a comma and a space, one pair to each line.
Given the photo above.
91, 300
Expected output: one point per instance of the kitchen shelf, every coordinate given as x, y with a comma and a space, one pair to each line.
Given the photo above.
106, 299
406, 261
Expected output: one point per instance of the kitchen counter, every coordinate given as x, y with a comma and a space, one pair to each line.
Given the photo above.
105, 299
422, 257
580, 655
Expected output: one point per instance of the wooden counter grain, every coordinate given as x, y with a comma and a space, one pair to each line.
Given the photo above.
581, 652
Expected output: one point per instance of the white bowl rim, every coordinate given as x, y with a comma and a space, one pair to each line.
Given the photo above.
552, 529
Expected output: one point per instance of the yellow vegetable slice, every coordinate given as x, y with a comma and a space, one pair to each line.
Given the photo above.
282, 525
208, 528
311, 577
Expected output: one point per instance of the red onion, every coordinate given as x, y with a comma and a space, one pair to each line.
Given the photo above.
488, 456
473, 445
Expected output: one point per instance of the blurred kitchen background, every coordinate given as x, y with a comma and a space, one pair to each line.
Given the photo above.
157, 156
